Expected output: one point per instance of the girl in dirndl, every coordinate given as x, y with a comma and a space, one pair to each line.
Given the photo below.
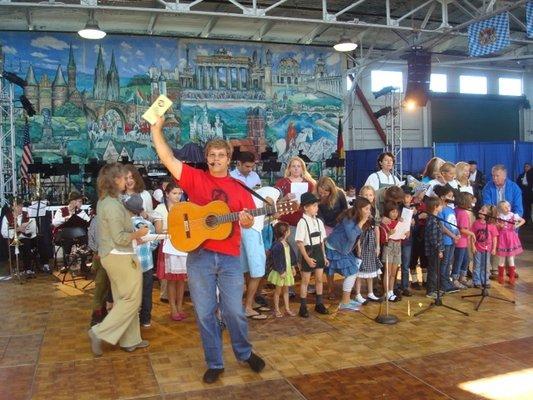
509, 244
171, 263
369, 250
283, 267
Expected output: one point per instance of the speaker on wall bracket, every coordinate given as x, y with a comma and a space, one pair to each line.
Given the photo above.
418, 76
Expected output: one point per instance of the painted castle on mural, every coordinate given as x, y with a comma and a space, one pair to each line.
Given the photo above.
256, 96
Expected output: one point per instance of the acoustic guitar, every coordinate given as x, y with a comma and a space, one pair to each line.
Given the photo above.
189, 224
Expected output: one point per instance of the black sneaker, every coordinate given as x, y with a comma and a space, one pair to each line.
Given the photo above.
416, 286
212, 374
321, 309
255, 362
451, 289
406, 293
303, 312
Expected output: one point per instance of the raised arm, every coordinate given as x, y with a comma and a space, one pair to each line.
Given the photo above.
164, 151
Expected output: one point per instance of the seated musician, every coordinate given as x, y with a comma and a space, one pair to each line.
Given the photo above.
26, 229
75, 201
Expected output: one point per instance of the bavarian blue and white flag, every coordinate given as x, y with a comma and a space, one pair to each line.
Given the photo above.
529, 18
489, 36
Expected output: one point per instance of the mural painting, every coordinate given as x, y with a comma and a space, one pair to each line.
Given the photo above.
89, 96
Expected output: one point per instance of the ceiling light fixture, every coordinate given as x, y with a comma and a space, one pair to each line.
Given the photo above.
92, 30
345, 44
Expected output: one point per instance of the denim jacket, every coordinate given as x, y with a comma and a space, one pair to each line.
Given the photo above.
344, 236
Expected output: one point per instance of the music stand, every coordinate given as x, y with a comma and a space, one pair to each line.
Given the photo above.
74, 229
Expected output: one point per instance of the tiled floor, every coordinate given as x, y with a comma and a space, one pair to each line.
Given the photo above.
44, 352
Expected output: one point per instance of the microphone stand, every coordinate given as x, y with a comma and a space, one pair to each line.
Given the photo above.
438, 301
484, 288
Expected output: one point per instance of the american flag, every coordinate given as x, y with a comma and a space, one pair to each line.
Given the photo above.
27, 158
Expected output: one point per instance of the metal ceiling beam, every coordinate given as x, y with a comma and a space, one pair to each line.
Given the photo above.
317, 31
185, 9
345, 9
432, 42
413, 11
428, 15
520, 23
208, 27
485, 60
463, 8
490, 6
151, 24
265, 28
29, 20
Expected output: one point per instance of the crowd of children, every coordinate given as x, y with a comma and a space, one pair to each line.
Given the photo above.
360, 245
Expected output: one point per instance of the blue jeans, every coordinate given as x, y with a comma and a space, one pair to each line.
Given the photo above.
207, 270
406, 262
145, 314
446, 266
480, 263
460, 264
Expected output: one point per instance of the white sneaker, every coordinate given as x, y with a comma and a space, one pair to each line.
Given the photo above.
360, 298
373, 297
46, 268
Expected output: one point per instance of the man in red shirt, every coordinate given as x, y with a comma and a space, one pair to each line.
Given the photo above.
216, 263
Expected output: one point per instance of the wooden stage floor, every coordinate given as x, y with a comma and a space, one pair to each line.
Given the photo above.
44, 351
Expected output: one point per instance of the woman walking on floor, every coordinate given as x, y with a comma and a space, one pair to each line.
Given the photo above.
118, 258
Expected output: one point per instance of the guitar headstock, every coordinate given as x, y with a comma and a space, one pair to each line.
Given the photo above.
287, 207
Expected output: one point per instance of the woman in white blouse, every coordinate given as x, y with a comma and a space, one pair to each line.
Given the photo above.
462, 172
385, 176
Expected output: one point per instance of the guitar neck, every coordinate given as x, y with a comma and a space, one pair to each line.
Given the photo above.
234, 216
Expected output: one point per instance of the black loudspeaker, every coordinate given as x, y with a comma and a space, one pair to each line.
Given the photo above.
418, 76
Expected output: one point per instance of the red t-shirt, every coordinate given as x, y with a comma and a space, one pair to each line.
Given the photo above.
202, 188
484, 242
284, 185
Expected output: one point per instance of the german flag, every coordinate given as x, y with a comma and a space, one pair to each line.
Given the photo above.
340, 141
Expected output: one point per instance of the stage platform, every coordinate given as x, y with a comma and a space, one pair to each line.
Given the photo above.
44, 351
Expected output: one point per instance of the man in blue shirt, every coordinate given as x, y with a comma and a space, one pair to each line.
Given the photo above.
501, 189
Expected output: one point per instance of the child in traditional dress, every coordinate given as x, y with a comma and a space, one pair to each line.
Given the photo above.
171, 263
509, 244
392, 252
310, 236
283, 267
340, 245
486, 242
368, 250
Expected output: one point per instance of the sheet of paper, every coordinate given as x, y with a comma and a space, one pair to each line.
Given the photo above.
299, 188
152, 236
157, 109
404, 225
37, 206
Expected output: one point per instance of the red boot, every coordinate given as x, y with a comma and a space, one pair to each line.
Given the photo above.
501, 274
512, 273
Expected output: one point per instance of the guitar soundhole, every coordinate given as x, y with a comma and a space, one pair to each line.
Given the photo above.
211, 221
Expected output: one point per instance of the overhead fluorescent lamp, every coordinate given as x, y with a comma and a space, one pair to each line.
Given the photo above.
92, 31
345, 44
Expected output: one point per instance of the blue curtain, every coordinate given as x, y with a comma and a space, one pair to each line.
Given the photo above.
524, 154
487, 154
361, 163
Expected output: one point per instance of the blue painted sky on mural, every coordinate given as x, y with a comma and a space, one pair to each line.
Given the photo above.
135, 54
